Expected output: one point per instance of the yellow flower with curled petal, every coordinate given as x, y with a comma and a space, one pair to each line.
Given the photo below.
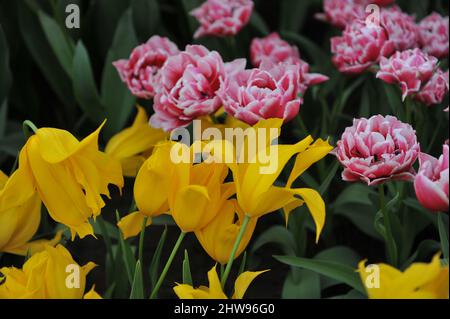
46, 275
20, 215
215, 291
218, 237
151, 189
133, 145
418, 281
70, 176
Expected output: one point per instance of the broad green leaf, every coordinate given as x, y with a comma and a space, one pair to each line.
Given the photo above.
304, 285
84, 85
337, 271
293, 14
278, 235
145, 17
187, 276
327, 181
5, 73
443, 234
61, 43
137, 288
258, 23
352, 294
115, 96
314, 52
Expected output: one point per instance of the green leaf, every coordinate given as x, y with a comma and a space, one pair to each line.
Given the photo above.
3, 118
84, 85
425, 249
314, 52
326, 183
443, 235
304, 285
115, 96
278, 235
187, 277
137, 288
378, 222
5, 73
127, 254
293, 14
61, 44
145, 17
243, 264
258, 23
11, 144
37, 45
337, 271
154, 266
394, 100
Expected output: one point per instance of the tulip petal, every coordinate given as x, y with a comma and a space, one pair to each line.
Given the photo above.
36, 246
92, 294
131, 225
189, 207
243, 282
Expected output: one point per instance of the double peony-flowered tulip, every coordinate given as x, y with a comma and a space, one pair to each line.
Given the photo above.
418, 281
435, 90
401, 28
360, 46
433, 35
222, 17
431, 181
410, 69
215, 291
378, 149
134, 145
47, 275
141, 71
189, 83
70, 176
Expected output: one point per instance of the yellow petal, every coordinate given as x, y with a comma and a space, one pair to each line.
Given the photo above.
273, 199
189, 208
92, 294
36, 246
243, 282
215, 288
131, 224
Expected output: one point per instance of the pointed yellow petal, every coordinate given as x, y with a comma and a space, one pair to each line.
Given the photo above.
243, 282
131, 224
189, 208
92, 294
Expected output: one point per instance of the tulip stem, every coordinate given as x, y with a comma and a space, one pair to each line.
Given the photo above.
26, 126
167, 266
141, 240
235, 248
391, 248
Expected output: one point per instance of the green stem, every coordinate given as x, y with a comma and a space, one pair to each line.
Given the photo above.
167, 266
27, 126
141, 240
235, 248
105, 235
391, 248
443, 235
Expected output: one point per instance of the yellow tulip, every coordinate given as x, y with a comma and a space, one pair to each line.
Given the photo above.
92, 294
20, 215
419, 281
50, 274
214, 291
133, 145
196, 194
70, 176
219, 236
151, 189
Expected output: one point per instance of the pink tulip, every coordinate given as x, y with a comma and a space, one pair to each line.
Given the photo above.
410, 69
360, 47
141, 71
268, 92
189, 82
435, 90
431, 182
340, 13
433, 35
276, 50
401, 28
377, 150
222, 17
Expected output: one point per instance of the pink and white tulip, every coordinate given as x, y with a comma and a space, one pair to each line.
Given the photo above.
360, 46
268, 92
189, 83
276, 50
433, 35
222, 17
431, 182
141, 71
401, 28
340, 13
410, 69
435, 90
377, 150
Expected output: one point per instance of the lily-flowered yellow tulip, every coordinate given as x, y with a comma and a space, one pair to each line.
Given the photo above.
218, 237
134, 145
70, 176
197, 193
214, 291
419, 281
255, 188
151, 190
50, 274
20, 215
